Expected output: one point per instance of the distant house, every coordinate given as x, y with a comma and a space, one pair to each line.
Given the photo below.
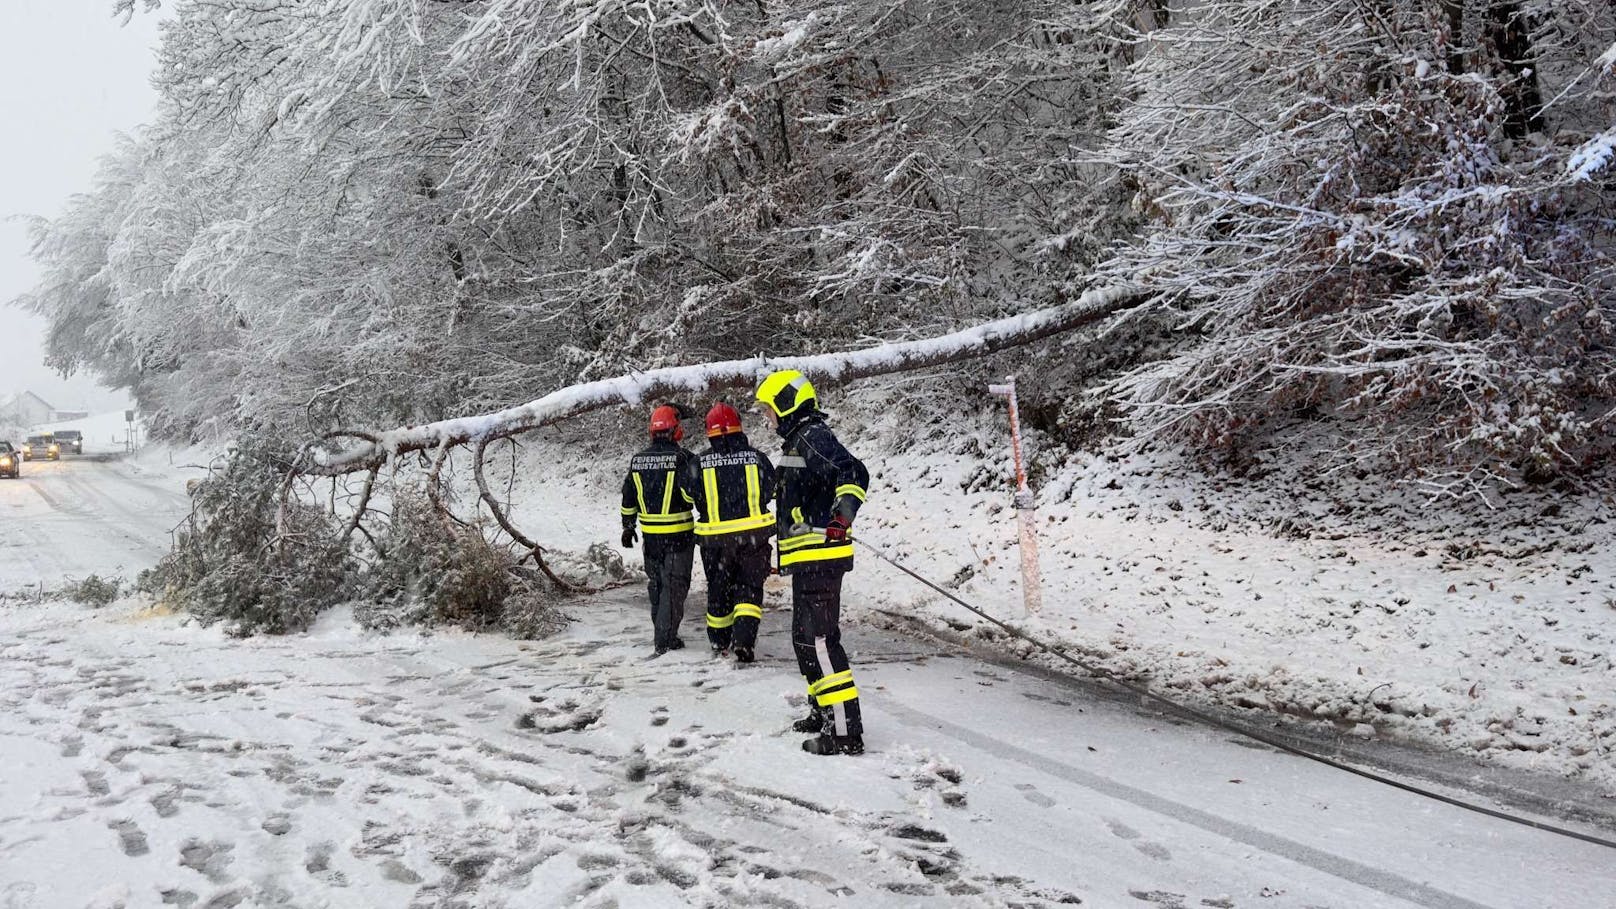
62, 416
27, 409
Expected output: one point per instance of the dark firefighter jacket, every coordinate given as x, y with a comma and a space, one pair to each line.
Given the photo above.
731, 484
652, 494
818, 478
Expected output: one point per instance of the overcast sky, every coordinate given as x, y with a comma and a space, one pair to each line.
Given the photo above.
70, 78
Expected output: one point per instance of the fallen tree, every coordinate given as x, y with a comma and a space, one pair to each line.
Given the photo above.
349, 451
371, 450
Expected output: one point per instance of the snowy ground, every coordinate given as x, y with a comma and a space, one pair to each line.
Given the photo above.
148, 762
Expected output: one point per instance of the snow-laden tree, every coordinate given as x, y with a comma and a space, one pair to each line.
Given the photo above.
1365, 209
412, 210
254, 267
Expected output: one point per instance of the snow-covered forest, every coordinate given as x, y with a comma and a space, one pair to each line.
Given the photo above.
1388, 217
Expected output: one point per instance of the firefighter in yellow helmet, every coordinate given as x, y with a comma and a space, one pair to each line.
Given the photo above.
820, 488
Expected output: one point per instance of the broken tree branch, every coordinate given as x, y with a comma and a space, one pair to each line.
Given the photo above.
534, 549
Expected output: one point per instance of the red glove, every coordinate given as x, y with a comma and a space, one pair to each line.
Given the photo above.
837, 531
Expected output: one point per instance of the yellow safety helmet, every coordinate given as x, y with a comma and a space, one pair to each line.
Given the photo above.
786, 391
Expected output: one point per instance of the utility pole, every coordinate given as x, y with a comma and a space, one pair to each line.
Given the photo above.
1026, 506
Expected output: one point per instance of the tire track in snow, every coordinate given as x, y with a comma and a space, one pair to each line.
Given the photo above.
81, 512
1346, 869
135, 524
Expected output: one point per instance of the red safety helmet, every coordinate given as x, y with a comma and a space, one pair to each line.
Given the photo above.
722, 420
666, 419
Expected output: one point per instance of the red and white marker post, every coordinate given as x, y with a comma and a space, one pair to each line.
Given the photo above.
1026, 506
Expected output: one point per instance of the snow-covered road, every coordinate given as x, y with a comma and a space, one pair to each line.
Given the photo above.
82, 516
144, 762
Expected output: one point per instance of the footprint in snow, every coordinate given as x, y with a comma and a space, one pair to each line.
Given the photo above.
943, 776
131, 839
594, 861
395, 870
226, 899
96, 783
1030, 793
917, 833
1154, 850
210, 859
1121, 830
277, 825
567, 716
317, 862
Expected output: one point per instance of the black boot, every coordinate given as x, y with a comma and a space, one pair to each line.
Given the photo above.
827, 744
744, 654
676, 644
813, 722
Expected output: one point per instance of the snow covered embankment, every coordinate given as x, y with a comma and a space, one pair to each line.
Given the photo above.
1493, 637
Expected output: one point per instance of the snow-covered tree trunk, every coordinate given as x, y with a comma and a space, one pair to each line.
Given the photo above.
375, 448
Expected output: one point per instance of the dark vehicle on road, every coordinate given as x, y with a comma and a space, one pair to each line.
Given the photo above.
10, 461
42, 445
70, 440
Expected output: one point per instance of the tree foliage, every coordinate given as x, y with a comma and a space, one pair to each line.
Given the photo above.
1370, 209
250, 561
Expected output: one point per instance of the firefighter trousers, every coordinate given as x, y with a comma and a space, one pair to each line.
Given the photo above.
816, 634
736, 570
668, 568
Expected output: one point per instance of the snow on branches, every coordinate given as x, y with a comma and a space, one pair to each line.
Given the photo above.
1363, 209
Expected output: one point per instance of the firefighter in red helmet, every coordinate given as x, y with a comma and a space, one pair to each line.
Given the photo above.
821, 487
654, 500
731, 484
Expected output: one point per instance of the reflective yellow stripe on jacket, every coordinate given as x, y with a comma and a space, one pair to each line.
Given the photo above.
812, 547
756, 518
668, 521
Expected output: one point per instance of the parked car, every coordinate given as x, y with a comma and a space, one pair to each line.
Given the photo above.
10, 461
42, 445
70, 440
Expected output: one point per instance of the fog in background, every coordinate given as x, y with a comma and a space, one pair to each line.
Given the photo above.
71, 76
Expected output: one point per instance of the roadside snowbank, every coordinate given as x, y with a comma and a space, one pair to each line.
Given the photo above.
1493, 637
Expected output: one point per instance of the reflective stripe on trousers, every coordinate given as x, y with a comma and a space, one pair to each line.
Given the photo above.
816, 636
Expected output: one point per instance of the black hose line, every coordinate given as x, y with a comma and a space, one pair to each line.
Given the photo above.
1210, 720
